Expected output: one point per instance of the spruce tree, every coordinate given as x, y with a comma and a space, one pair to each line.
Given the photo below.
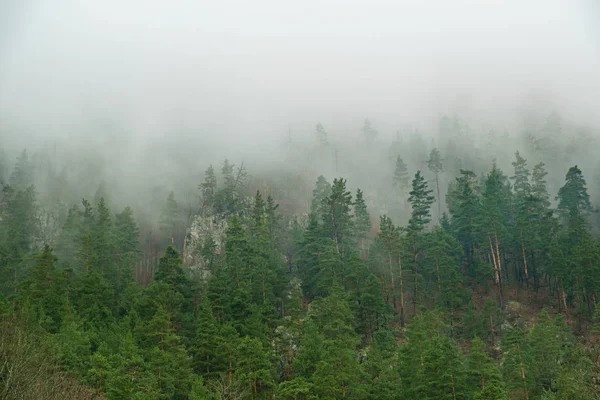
485, 379
430, 363
441, 265
321, 191
170, 221
102, 238
126, 247
401, 178
521, 186
18, 230
538, 184
573, 198
464, 211
22, 174
369, 131
206, 341
362, 220
321, 134
166, 357
253, 365
208, 189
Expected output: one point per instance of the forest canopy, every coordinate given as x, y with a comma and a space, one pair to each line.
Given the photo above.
448, 275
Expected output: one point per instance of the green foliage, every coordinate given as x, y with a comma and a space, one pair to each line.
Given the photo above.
435, 161
321, 191
321, 134
208, 189
306, 307
430, 363
361, 215
420, 200
573, 196
170, 220
465, 207
401, 178
485, 378
22, 174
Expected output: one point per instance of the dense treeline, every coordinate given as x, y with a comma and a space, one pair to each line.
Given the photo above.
249, 301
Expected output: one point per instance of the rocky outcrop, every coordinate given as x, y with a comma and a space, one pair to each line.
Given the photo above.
203, 227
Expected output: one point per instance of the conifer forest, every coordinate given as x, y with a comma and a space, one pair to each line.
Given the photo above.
159, 242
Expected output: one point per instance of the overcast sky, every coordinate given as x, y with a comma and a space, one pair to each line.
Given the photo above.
243, 67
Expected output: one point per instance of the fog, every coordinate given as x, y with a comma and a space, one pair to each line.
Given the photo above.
186, 83
248, 69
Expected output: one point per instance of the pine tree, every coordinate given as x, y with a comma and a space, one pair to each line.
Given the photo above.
389, 241
494, 221
336, 215
525, 214
435, 165
421, 200
538, 184
575, 245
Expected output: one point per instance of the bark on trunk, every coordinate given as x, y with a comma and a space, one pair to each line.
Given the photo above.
525, 265
401, 291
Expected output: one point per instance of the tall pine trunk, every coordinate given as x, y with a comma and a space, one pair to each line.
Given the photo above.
401, 291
